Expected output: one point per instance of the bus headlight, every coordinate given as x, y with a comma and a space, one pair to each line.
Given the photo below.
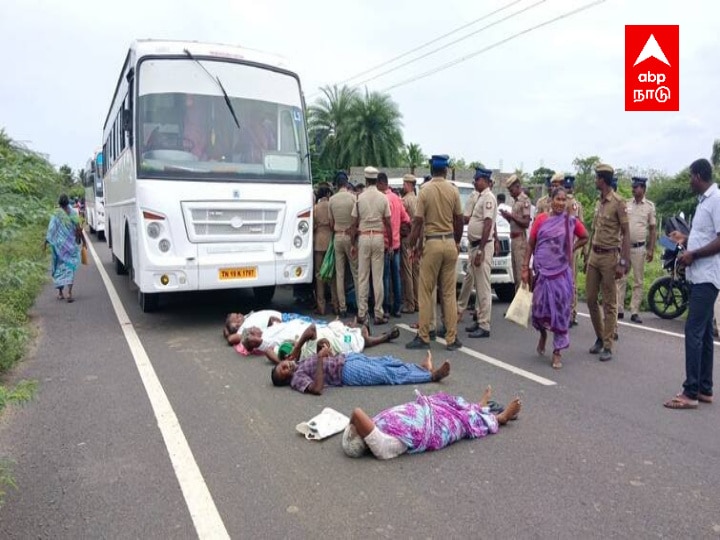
297, 242
154, 229
164, 245
303, 228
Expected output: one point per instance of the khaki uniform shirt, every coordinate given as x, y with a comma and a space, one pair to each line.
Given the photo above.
409, 201
641, 216
610, 214
341, 207
437, 204
321, 225
485, 208
520, 209
372, 206
470, 203
573, 207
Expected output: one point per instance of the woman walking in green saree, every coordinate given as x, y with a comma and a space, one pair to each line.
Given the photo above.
64, 236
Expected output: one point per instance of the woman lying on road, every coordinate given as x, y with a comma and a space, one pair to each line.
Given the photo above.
551, 247
305, 338
426, 424
235, 323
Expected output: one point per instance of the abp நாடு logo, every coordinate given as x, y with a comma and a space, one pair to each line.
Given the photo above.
652, 68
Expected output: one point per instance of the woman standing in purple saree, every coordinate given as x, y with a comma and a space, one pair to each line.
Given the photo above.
552, 243
426, 424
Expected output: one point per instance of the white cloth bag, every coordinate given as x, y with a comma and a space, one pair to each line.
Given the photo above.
521, 307
327, 423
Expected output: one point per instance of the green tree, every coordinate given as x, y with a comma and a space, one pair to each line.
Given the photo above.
67, 175
414, 157
475, 165
81, 176
715, 159
585, 176
374, 136
328, 121
672, 195
540, 174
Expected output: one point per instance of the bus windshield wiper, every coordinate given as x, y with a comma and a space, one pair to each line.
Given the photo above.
220, 85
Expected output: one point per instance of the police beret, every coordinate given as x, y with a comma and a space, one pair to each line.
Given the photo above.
440, 161
604, 167
409, 178
482, 173
371, 173
341, 174
512, 180
569, 181
639, 181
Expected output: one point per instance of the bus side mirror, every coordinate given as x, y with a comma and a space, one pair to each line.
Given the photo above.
127, 120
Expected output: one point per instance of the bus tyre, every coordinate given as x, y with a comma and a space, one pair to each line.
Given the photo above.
120, 269
148, 301
263, 295
92, 231
505, 292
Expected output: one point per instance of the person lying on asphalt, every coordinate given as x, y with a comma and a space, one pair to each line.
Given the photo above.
235, 323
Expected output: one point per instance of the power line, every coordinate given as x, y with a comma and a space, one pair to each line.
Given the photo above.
403, 55
495, 23
492, 46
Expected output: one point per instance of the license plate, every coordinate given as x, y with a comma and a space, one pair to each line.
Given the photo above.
499, 263
243, 272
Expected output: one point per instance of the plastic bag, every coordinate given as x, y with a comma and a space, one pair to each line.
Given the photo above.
327, 423
521, 307
83, 255
327, 268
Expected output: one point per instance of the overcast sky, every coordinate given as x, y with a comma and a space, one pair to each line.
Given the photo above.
542, 99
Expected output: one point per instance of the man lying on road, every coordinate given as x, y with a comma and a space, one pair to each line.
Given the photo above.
235, 323
305, 338
311, 376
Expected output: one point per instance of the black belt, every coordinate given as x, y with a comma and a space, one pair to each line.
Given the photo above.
475, 243
439, 236
598, 249
637, 244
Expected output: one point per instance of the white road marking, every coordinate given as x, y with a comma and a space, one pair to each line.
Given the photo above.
493, 361
649, 329
204, 513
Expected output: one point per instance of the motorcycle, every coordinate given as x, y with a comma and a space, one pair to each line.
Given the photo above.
668, 296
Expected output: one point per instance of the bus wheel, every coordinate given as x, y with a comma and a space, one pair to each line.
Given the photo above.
263, 295
101, 235
92, 231
120, 269
149, 302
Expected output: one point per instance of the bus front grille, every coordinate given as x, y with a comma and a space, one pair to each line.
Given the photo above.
216, 222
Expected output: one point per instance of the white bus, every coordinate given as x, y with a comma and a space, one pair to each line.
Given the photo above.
94, 199
207, 182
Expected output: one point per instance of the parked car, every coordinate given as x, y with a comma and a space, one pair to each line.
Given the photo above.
501, 275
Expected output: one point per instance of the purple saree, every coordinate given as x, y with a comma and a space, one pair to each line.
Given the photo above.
436, 421
554, 286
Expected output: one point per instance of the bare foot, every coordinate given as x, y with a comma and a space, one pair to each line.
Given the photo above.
460, 316
510, 412
427, 363
541, 343
442, 372
487, 394
556, 360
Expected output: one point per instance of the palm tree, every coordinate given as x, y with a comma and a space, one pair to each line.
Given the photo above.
328, 121
715, 159
414, 156
374, 136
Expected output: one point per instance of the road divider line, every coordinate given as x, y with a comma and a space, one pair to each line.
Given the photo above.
648, 329
204, 513
493, 361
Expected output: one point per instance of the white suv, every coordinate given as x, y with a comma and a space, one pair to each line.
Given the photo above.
501, 275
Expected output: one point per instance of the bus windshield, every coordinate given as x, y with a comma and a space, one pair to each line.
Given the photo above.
186, 128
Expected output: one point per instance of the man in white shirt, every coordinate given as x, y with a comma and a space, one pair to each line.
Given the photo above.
702, 259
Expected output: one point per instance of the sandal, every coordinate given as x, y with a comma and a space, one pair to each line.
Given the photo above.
556, 360
70, 299
681, 402
704, 398
395, 333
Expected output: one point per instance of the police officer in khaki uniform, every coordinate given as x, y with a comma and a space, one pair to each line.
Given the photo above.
340, 207
439, 218
519, 219
574, 208
468, 284
480, 237
642, 223
322, 233
544, 204
410, 267
371, 225
608, 260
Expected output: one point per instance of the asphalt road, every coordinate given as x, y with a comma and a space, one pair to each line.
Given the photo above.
594, 455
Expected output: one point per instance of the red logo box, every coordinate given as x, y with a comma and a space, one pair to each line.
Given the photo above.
652, 68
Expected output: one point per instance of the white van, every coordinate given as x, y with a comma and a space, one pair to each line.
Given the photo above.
501, 275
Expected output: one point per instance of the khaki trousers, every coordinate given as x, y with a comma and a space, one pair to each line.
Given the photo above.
438, 266
318, 257
518, 247
483, 290
466, 290
410, 272
601, 279
342, 258
371, 258
637, 263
